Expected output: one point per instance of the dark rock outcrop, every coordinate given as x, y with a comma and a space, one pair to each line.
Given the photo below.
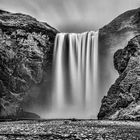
26, 47
123, 99
26, 115
112, 37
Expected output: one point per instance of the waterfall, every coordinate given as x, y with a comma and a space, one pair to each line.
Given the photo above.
75, 77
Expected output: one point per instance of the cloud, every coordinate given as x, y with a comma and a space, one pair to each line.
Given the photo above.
72, 15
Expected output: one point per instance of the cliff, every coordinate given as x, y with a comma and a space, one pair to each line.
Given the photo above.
26, 47
123, 98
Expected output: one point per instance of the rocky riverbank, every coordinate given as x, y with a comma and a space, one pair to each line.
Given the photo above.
69, 130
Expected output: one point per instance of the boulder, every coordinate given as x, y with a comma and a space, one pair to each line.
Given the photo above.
123, 98
26, 115
26, 48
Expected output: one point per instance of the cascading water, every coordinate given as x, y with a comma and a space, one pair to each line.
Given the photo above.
75, 81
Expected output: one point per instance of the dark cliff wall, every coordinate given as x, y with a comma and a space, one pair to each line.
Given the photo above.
26, 48
112, 37
123, 98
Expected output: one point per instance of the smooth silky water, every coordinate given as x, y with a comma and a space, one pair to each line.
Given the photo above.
75, 76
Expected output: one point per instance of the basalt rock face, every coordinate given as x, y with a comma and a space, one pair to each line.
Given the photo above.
26, 48
123, 98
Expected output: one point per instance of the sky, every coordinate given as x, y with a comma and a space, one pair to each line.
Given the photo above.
71, 15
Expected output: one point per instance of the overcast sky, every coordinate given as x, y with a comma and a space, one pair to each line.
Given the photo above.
71, 15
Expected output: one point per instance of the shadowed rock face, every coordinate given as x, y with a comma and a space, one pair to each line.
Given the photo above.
112, 37
123, 99
26, 47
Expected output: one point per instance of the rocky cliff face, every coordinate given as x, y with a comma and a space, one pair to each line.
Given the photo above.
112, 37
26, 47
123, 98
